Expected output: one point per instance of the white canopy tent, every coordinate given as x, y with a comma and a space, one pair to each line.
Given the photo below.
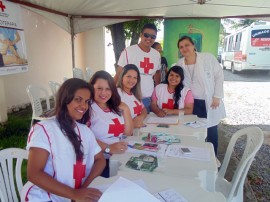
89, 14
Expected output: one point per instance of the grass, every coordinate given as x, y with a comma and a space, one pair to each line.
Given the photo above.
14, 132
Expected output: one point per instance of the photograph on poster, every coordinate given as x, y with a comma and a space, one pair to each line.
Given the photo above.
10, 53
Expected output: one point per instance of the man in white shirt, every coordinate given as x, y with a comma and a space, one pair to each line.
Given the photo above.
146, 59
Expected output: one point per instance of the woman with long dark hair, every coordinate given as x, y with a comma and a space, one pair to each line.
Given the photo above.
172, 97
110, 117
64, 156
129, 89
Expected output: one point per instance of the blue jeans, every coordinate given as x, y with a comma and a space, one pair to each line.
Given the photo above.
212, 132
146, 102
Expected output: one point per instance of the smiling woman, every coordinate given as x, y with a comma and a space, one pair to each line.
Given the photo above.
64, 156
172, 97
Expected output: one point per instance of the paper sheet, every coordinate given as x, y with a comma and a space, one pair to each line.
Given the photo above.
201, 154
197, 124
165, 120
169, 195
123, 190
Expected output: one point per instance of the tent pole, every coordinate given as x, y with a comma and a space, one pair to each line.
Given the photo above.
72, 40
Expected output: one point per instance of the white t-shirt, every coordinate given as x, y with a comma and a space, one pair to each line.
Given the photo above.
147, 63
106, 124
61, 163
165, 98
135, 106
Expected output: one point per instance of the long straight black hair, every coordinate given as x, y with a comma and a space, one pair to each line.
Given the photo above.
177, 94
64, 96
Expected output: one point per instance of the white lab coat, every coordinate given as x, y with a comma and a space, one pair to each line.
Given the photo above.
211, 75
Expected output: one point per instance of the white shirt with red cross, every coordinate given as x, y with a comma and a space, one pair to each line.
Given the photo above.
135, 106
147, 62
106, 124
61, 163
165, 98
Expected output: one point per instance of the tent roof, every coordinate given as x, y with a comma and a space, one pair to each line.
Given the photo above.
88, 14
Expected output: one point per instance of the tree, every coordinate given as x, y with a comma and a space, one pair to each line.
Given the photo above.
127, 30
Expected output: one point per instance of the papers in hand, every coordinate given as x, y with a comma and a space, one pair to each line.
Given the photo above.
165, 120
123, 190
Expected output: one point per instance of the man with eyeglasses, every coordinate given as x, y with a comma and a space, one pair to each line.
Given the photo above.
146, 59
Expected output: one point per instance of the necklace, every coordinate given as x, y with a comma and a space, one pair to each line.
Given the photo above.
191, 68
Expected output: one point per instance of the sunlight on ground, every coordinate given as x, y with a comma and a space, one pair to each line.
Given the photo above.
247, 102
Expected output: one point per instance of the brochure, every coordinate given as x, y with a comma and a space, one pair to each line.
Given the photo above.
161, 138
144, 163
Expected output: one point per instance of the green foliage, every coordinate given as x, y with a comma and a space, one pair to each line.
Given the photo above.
14, 132
137, 25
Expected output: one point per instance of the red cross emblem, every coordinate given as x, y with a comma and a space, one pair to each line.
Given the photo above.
168, 105
78, 173
137, 109
117, 128
2, 6
146, 65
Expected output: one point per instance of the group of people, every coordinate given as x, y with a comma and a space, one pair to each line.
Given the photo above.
69, 150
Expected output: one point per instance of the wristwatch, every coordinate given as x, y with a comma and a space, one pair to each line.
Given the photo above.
107, 149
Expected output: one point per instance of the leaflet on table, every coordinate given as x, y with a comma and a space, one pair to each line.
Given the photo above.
197, 124
158, 137
164, 120
138, 147
169, 195
201, 154
144, 162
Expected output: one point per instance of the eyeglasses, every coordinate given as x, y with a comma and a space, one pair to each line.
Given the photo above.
146, 35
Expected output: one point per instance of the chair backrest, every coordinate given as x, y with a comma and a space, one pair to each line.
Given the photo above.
54, 87
78, 73
11, 163
88, 74
254, 139
35, 94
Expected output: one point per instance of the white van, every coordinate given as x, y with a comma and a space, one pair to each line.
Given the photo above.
248, 48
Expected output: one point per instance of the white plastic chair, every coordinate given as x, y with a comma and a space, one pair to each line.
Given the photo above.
88, 74
11, 163
54, 88
35, 94
78, 73
233, 190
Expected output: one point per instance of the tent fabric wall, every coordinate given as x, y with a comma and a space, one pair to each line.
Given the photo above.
103, 12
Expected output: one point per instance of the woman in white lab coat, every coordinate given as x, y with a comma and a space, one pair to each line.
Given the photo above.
204, 76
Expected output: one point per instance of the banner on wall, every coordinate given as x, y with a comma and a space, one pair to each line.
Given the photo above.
13, 57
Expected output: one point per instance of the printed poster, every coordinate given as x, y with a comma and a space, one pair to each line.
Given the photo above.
13, 57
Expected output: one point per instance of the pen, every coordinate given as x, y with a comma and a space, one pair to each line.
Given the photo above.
189, 123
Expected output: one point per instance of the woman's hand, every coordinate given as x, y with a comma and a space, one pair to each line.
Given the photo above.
87, 195
215, 103
138, 122
161, 113
118, 147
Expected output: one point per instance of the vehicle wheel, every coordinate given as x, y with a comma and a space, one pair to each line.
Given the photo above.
233, 70
222, 64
